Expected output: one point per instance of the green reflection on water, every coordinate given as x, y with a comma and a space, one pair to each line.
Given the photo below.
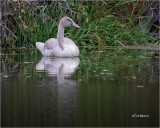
100, 88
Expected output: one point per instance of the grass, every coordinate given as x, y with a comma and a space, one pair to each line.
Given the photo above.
103, 23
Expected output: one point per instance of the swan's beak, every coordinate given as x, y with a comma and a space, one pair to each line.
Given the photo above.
75, 25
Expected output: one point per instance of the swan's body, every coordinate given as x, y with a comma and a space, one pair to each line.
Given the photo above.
61, 47
52, 48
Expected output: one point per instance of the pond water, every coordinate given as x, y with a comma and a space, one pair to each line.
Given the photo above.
100, 88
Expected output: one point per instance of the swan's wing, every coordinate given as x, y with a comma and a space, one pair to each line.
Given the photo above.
51, 44
68, 41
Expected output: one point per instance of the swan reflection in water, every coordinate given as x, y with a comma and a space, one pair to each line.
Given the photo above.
63, 92
60, 67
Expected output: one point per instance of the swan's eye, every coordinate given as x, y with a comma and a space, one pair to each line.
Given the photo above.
68, 19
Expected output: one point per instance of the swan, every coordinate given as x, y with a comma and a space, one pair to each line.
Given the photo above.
62, 46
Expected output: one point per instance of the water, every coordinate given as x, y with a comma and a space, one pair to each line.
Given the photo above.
100, 88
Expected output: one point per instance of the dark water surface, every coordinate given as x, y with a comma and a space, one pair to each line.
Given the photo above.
100, 88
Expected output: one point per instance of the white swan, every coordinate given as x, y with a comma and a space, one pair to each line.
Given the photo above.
61, 47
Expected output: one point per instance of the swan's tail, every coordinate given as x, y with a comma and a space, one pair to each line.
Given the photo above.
40, 46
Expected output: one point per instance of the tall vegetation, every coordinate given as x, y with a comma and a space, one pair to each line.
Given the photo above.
103, 23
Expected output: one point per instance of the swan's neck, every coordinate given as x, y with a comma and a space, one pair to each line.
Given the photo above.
60, 35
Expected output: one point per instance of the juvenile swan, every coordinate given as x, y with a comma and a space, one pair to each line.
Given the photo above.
61, 47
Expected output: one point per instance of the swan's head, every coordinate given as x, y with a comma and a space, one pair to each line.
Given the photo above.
66, 21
